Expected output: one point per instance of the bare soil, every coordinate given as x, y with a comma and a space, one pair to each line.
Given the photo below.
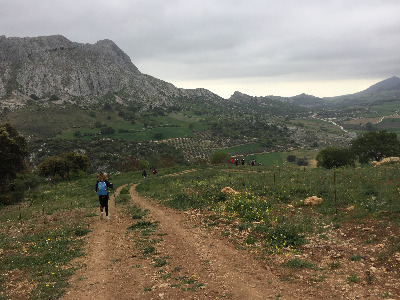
193, 261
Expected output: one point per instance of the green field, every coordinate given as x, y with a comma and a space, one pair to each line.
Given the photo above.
244, 148
267, 159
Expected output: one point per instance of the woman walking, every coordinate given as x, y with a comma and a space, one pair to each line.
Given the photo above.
102, 186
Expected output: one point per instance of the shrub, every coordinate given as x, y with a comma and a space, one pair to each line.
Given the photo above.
285, 235
219, 157
333, 157
54, 98
34, 97
302, 162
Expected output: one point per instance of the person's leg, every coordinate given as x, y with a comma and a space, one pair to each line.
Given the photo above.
103, 203
106, 206
101, 206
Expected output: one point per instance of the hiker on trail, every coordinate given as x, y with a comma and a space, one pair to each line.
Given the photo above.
154, 172
144, 174
236, 161
102, 186
242, 161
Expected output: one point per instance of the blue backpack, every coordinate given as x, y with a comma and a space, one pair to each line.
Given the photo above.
101, 188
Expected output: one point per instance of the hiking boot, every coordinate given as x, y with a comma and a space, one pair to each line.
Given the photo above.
107, 217
101, 215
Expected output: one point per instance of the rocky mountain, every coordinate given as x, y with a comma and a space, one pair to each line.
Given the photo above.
54, 68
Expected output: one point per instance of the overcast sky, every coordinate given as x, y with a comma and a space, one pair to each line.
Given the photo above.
257, 47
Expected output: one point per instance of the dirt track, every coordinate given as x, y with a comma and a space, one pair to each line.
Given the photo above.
199, 265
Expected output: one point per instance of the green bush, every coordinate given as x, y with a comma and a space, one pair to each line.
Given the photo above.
334, 157
297, 263
284, 235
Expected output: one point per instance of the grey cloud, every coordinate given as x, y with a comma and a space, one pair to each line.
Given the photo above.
226, 38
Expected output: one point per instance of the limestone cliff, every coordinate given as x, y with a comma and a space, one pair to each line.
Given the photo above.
42, 67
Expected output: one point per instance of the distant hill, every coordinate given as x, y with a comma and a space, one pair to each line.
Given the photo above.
385, 91
390, 84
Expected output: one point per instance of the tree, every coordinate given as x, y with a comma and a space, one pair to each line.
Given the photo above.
375, 145
78, 162
55, 165
63, 164
158, 136
369, 126
54, 98
333, 157
143, 164
13, 150
108, 130
167, 161
130, 163
219, 157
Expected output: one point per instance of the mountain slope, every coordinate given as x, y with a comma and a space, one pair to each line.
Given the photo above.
52, 67
385, 91
390, 84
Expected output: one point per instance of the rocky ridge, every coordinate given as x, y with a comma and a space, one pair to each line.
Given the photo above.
53, 66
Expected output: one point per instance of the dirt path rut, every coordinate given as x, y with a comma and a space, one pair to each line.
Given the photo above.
196, 264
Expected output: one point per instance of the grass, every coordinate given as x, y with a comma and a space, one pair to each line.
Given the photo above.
45, 256
267, 159
299, 264
270, 198
353, 278
123, 197
356, 257
43, 234
136, 212
334, 265
49, 227
247, 148
141, 225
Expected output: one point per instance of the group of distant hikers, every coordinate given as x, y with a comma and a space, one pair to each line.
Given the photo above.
153, 170
236, 161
